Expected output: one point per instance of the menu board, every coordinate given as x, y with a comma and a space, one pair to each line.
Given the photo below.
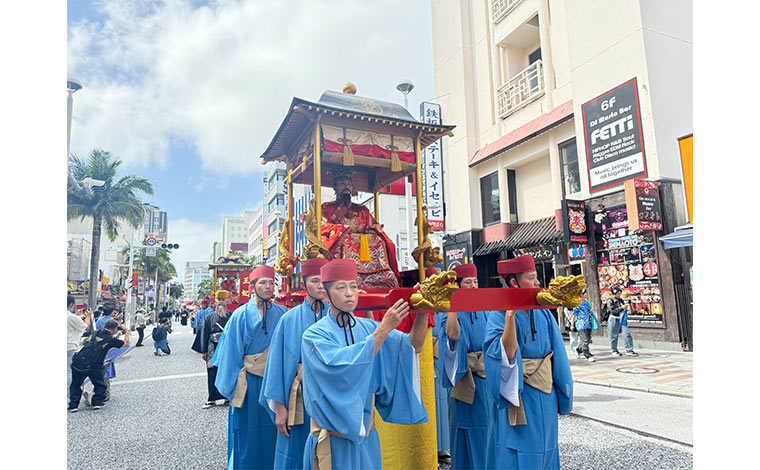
627, 260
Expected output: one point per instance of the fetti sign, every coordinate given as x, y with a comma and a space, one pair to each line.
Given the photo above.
574, 225
612, 132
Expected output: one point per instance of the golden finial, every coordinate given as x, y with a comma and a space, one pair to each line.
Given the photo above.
349, 88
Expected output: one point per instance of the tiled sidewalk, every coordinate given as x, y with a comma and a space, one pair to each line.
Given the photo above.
654, 371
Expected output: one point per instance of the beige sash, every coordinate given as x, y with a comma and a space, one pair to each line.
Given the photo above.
252, 364
464, 390
323, 452
538, 374
295, 399
435, 347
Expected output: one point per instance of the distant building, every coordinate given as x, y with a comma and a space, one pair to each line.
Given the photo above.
156, 224
255, 235
234, 230
195, 273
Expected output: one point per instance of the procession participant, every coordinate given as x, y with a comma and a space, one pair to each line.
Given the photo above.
350, 232
209, 332
461, 348
201, 315
528, 377
282, 390
241, 359
352, 365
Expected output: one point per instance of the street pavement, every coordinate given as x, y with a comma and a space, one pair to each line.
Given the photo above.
154, 418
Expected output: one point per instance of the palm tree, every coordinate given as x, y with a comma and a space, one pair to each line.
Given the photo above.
118, 202
157, 267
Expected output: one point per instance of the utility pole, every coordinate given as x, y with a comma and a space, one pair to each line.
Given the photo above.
130, 307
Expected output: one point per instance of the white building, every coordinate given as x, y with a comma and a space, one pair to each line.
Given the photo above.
195, 273
515, 77
274, 210
234, 230
256, 234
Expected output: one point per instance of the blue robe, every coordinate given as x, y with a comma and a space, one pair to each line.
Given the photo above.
534, 445
340, 380
251, 434
442, 394
282, 366
469, 424
200, 316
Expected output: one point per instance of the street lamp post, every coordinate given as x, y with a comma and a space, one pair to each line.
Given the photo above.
72, 86
405, 87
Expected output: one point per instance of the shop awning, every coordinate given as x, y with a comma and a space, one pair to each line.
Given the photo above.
681, 237
528, 234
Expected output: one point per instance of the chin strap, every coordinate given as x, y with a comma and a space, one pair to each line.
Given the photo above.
532, 320
471, 317
318, 306
344, 319
266, 305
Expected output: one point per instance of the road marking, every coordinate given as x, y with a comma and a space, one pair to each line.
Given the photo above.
155, 379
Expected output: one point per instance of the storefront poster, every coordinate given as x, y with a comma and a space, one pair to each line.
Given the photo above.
626, 259
613, 137
642, 200
432, 171
574, 223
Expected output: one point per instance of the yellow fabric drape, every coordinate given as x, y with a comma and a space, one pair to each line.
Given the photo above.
413, 447
252, 364
364, 249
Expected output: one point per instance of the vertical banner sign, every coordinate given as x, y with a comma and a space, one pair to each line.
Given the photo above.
432, 172
612, 132
574, 223
642, 200
245, 287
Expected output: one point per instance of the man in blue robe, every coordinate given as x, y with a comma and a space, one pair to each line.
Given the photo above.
241, 360
528, 378
442, 395
282, 389
352, 365
205, 310
461, 348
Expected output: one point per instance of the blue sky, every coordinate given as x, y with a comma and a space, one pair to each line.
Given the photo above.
189, 94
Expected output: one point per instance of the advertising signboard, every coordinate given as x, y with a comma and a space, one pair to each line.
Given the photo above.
574, 221
642, 199
612, 132
432, 172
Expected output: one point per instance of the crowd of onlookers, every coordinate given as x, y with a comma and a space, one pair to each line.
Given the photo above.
96, 338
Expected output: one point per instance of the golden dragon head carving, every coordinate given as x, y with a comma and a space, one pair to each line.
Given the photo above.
435, 292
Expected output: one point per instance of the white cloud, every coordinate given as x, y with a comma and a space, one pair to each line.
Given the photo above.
195, 243
222, 76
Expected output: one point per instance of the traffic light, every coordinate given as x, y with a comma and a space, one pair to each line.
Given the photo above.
170, 246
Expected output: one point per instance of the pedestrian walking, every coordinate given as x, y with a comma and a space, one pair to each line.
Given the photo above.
88, 362
159, 334
183, 319
75, 326
379, 364
461, 347
616, 314
571, 330
581, 320
528, 377
140, 326
207, 340
283, 378
241, 359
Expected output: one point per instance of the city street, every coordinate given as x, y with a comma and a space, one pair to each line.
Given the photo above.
154, 418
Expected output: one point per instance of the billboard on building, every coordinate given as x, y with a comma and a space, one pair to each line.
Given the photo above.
432, 171
612, 132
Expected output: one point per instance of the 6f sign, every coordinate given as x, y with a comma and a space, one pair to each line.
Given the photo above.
612, 131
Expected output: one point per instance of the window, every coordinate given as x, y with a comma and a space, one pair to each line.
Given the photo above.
571, 175
489, 199
512, 195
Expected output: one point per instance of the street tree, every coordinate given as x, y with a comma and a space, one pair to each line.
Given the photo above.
116, 203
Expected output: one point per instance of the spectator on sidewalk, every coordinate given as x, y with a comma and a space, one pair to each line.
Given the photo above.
75, 326
88, 362
571, 330
581, 320
108, 314
615, 309
159, 334
140, 322
164, 314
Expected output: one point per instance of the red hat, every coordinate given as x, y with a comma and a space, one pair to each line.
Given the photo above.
430, 272
311, 267
466, 270
521, 264
262, 272
339, 270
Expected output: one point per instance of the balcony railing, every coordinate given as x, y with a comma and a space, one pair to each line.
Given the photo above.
520, 89
501, 8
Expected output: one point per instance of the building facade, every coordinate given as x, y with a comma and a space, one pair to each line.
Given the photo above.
255, 235
235, 231
558, 101
195, 273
